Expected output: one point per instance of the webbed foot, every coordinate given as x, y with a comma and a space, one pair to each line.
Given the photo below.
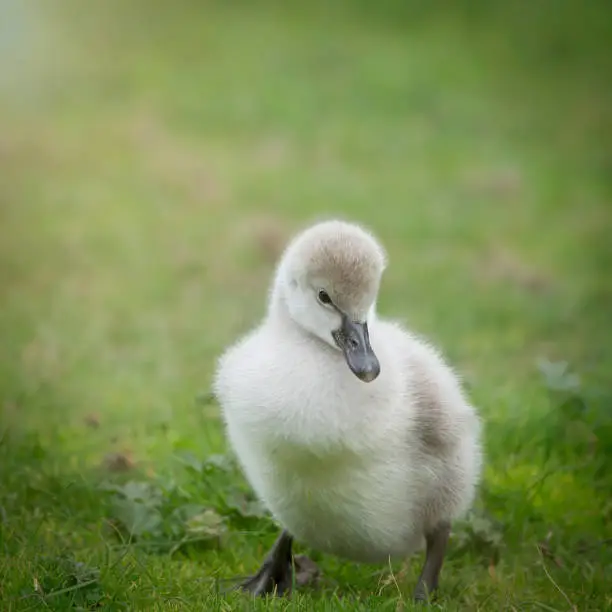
276, 575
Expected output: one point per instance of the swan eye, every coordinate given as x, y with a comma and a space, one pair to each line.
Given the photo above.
323, 297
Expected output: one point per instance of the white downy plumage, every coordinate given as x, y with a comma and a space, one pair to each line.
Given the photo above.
349, 462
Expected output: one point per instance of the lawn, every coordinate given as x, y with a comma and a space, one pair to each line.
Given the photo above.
154, 159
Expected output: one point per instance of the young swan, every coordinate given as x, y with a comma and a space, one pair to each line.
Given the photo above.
354, 432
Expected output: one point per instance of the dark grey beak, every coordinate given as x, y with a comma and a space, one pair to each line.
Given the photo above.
354, 340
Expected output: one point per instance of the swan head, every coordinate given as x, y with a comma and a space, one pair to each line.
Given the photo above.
328, 281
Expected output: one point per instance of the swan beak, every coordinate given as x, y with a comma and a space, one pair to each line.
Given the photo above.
354, 340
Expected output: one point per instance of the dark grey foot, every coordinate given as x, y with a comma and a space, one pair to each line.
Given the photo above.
434, 557
276, 575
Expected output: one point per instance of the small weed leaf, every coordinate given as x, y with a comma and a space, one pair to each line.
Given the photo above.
136, 517
197, 520
213, 463
137, 507
206, 524
557, 376
187, 511
141, 492
222, 463
481, 534
240, 504
190, 461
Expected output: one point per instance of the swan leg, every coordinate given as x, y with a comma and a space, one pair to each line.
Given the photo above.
276, 574
434, 557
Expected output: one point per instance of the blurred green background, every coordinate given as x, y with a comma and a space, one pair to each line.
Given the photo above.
155, 157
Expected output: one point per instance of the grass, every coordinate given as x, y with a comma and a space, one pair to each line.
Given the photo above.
156, 156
